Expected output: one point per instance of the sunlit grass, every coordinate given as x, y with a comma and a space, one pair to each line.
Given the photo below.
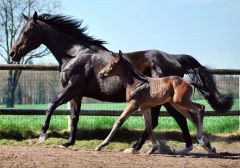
22, 127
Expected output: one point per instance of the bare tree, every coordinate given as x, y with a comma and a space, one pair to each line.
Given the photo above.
11, 22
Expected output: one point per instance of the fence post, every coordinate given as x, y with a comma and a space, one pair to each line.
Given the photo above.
69, 117
239, 101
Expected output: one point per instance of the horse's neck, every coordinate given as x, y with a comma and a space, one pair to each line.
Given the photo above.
63, 46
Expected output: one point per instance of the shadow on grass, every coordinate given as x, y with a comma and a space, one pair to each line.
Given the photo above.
122, 134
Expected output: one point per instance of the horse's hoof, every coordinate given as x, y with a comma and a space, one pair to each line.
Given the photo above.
151, 151
131, 151
186, 150
42, 138
98, 148
210, 149
62, 146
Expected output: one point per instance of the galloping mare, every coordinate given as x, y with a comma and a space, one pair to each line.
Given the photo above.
81, 57
143, 93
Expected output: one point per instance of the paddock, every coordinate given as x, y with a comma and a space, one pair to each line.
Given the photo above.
36, 95
55, 157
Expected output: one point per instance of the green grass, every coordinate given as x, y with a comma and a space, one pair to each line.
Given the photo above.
22, 127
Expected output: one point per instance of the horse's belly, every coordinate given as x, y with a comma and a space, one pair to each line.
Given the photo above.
110, 89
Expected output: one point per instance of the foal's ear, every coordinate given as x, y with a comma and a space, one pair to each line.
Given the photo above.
25, 17
35, 16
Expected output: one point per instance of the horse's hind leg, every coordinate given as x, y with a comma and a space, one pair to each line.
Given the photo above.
197, 120
182, 122
132, 107
148, 126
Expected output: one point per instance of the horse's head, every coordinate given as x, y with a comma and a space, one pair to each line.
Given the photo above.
29, 38
113, 67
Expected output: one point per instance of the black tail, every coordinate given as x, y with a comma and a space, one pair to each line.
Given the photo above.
204, 81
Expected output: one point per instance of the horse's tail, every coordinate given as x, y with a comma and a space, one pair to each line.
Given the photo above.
204, 81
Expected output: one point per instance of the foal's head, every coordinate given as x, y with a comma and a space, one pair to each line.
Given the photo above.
114, 68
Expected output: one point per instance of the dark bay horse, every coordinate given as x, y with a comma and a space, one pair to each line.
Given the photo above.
144, 93
81, 57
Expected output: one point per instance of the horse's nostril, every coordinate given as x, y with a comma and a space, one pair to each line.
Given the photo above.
12, 53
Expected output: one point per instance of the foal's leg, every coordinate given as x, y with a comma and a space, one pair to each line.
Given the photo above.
148, 126
182, 122
75, 111
197, 120
138, 145
64, 97
132, 107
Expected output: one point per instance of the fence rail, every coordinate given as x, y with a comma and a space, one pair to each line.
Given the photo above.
101, 112
97, 112
55, 68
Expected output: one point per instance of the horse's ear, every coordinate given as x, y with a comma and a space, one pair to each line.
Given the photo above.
119, 55
25, 17
35, 16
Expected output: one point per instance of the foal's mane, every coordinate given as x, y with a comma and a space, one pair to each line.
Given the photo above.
133, 71
71, 26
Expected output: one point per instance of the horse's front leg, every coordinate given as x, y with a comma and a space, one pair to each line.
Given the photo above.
126, 113
64, 97
75, 111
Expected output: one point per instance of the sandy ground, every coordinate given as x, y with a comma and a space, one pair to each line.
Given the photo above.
34, 156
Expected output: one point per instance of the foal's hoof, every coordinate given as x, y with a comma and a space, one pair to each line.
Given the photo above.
42, 138
186, 150
131, 151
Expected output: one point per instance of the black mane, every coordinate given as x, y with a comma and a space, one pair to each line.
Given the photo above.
72, 26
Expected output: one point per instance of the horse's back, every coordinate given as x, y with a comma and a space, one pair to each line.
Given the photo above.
156, 63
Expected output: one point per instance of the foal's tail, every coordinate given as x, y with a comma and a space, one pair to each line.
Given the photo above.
204, 81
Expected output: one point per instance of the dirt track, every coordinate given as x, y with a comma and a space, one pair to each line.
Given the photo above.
55, 157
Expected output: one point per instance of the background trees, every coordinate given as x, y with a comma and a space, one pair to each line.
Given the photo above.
11, 22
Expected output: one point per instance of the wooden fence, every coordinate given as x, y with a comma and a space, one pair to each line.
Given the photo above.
99, 112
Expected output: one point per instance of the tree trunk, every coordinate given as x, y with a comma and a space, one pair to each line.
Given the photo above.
10, 93
13, 78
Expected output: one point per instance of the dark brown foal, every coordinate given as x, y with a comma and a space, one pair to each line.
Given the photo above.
144, 93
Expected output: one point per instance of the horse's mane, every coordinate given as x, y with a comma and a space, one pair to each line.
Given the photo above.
130, 68
71, 26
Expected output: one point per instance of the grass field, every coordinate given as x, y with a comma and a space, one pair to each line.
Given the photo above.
22, 127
